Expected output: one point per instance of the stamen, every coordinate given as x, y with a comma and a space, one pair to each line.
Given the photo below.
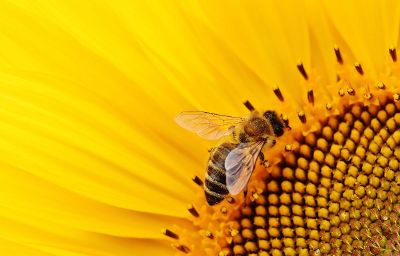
393, 54
328, 106
368, 96
359, 68
197, 180
302, 117
230, 199
310, 96
351, 91
254, 196
182, 248
209, 235
169, 233
341, 92
278, 93
396, 97
339, 58
248, 105
234, 232
285, 120
302, 71
288, 147
381, 86
193, 211
223, 210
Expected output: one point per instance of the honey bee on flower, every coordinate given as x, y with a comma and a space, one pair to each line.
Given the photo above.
231, 164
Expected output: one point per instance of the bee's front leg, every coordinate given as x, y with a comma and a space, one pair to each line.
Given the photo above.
262, 157
263, 162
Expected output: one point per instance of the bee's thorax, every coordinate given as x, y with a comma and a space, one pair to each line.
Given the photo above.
257, 126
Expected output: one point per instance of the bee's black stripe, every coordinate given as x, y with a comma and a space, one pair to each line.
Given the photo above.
212, 197
216, 173
215, 182
216, 186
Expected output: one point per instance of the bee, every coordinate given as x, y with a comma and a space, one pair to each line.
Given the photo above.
231, 164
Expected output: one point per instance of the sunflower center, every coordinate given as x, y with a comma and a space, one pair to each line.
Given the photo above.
336, 195
333, 183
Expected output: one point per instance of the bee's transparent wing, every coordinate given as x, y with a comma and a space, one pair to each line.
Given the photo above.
239, 165
209, 126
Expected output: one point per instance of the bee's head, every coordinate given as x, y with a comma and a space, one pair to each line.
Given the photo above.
276, 122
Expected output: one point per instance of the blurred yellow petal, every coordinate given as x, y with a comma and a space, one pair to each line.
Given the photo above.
368, 33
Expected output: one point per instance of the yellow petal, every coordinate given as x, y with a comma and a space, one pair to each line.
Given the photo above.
369, 28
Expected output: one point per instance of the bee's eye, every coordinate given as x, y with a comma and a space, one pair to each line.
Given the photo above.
275, 121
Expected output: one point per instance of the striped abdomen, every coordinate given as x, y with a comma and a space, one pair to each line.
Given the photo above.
215, 182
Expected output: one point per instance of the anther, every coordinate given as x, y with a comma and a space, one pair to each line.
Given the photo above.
339, 58
341, 92
223, 210
278, 94
182, 248
302, 117
328, 106
230, 199
192, 210
302, 71
234, 232
254, 196
393, 54
169, 233
197, 180
310, 96
285, 120
367, 96
209, 235
351, 91
396, 97
288, 147
380, 85
248, 105
359, 68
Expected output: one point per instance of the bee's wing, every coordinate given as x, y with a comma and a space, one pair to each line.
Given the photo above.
209, 126
239, 165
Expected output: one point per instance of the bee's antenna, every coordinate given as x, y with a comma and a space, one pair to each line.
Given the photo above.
248, 105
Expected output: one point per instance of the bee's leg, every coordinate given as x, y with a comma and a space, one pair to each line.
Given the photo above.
264, 162
262, 157
245, 194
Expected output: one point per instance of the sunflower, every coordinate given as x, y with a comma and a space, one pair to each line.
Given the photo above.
93, 164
